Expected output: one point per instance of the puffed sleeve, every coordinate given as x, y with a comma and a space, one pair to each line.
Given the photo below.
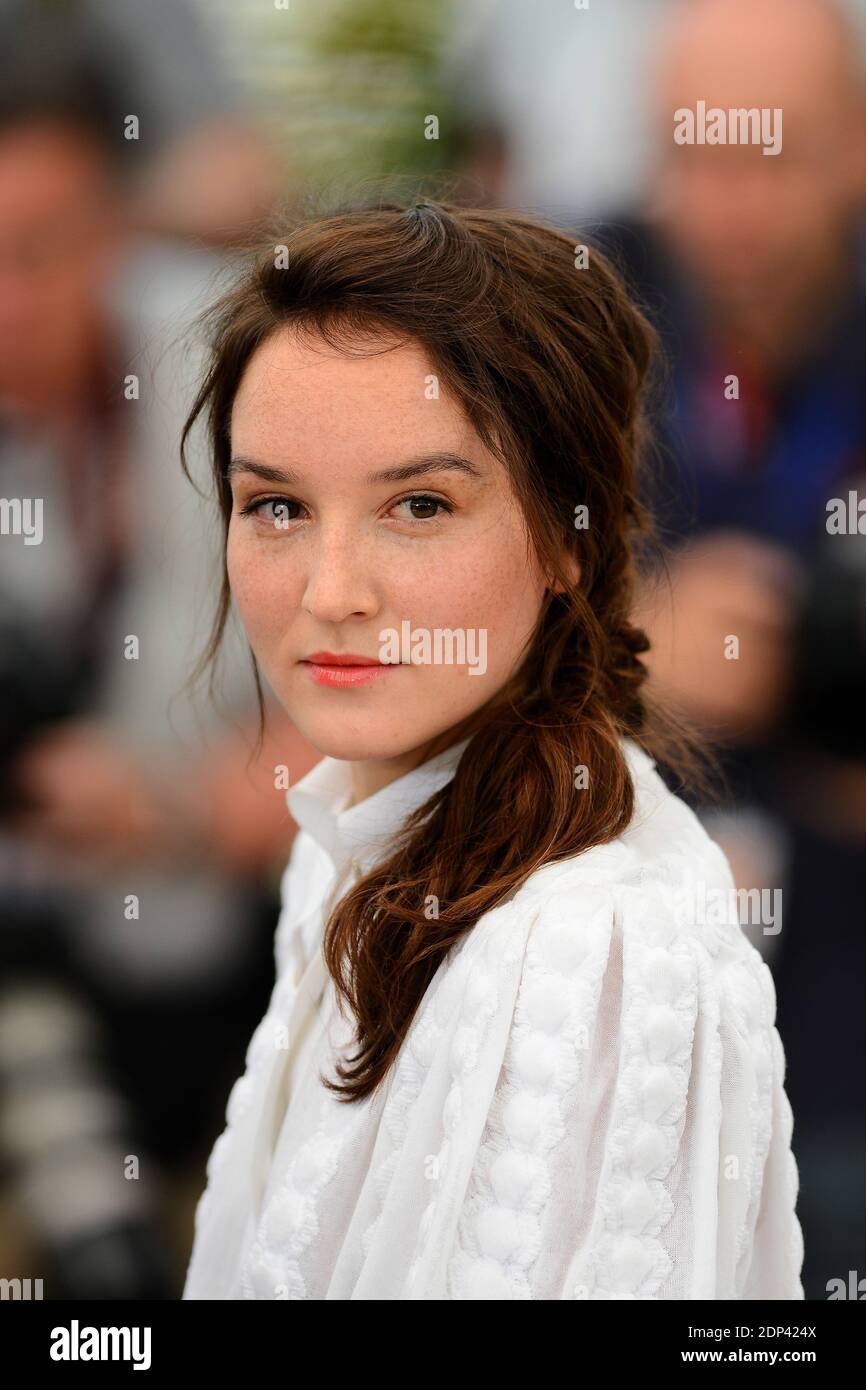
775, 1252
639, 1142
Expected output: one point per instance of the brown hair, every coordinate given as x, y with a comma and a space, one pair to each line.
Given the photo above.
552, 364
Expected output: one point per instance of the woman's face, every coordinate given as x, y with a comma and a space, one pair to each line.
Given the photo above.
364, 504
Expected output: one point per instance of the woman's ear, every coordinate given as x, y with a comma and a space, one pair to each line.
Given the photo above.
572, 568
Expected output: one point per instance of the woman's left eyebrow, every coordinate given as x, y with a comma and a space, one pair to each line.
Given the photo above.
426, 463
412, 468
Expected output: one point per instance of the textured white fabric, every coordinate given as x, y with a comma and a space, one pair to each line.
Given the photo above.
589, 1104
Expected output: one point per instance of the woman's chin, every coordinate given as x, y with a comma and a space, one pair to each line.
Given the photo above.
378, 740
350, 743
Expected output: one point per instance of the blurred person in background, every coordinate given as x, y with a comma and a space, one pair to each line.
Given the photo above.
135, 950
553, 95
753, 267
194, 165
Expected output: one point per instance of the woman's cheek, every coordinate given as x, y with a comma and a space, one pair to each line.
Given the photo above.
237, 566
267, 594
247, 582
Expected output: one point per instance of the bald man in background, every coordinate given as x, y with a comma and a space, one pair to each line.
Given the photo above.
752, 264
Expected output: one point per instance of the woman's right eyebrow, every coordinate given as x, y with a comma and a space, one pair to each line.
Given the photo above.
265, 471
412, 468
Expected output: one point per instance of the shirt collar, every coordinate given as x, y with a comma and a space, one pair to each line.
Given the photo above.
363, 832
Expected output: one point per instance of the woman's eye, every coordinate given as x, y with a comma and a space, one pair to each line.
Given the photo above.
424, 503
279, 512
273, 511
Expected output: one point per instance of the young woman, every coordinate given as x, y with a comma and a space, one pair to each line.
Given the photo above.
509, 1053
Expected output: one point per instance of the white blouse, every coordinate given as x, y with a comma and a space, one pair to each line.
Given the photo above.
589, 1103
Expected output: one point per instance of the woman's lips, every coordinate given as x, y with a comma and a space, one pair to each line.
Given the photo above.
347, 671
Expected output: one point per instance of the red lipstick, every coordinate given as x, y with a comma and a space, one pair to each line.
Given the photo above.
344, 669
344, 659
